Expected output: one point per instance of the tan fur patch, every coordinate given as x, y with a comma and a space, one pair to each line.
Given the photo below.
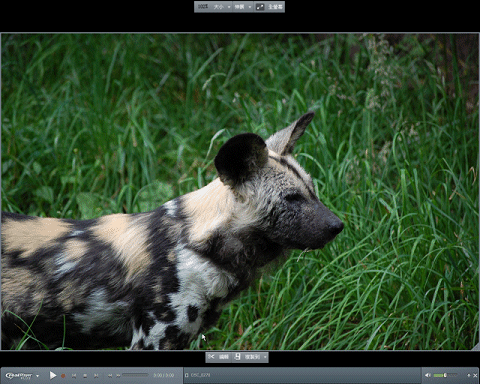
72, 294
207, 209
74, 250
159, 298
128, 237
171, 256
30, 235
17, 285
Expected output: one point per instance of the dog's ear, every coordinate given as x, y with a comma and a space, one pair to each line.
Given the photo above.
284, 141
240, 157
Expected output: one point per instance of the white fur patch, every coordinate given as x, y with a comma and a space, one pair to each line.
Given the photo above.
201, 277
63, 265
100, 312
138, 335
171, 207
200, 281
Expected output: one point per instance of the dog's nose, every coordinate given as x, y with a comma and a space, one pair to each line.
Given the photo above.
335, 226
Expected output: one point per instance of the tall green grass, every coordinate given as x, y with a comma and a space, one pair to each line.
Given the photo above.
97, 124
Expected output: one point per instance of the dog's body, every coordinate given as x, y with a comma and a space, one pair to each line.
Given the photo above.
155, 280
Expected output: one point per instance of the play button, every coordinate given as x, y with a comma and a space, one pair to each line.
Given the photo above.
52, 375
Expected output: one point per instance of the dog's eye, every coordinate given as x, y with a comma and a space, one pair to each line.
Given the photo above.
294, 197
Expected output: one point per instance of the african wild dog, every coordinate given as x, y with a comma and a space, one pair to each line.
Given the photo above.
155, 280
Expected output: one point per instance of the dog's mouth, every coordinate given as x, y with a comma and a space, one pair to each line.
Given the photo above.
311, 246
304, 248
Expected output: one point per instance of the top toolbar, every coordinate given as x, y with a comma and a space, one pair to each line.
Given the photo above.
239, 6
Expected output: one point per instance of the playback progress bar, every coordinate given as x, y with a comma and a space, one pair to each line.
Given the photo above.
92, 375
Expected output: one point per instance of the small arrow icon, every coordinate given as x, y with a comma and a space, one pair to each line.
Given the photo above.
52, 375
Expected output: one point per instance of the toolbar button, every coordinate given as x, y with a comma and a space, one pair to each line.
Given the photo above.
250, 357
213, 6
243, 6
270, 6
218, 357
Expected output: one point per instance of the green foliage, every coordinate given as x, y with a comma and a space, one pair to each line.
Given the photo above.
97, 124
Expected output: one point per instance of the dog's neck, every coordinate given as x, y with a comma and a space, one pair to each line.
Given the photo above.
226, 230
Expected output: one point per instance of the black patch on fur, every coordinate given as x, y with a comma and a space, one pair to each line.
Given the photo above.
79, 229
164, 312
149, 347
192, 313
160, 244
16, 217
174, 338
212, 314
139, 345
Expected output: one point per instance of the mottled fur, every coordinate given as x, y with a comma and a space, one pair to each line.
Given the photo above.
155, 280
